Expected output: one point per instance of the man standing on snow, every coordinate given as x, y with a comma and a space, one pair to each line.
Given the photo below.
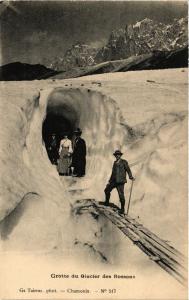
118, 179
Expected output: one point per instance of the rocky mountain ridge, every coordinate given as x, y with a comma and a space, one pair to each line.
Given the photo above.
79, 55
145, 45
143, 37
150, 61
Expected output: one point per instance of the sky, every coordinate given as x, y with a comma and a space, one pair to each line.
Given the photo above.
40, 31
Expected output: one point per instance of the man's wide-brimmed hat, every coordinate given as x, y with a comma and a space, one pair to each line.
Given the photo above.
117, 152
78, 130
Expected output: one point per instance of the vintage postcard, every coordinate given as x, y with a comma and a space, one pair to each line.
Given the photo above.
93, 150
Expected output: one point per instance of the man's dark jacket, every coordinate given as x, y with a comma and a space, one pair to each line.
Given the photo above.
79, 156
119, 171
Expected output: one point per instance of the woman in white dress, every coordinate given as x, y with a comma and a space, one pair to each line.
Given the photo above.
65, 152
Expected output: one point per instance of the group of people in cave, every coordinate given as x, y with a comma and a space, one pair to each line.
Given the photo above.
71, 160
70, 155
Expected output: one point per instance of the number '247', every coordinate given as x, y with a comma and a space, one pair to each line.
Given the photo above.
110, 291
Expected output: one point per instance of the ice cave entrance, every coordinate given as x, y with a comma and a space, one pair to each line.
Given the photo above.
60, 119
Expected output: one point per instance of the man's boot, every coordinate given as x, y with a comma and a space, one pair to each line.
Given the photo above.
122, 210
106, 202
107, 192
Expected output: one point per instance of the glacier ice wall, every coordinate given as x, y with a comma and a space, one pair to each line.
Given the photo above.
35, 202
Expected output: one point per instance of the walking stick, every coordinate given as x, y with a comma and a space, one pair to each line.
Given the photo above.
130, 196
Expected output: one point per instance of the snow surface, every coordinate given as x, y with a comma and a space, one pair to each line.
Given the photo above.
145, 115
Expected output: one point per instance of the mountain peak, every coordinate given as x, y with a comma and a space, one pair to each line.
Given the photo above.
143, 37
142, 22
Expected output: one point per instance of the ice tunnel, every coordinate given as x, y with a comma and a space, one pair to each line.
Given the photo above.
96, 114
55, 110
38, 190
60, 120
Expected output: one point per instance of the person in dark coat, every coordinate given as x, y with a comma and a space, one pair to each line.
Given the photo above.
118, 179
52, 149
79, 154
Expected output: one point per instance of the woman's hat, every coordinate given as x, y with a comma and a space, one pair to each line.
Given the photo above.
78, 130
117, 152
